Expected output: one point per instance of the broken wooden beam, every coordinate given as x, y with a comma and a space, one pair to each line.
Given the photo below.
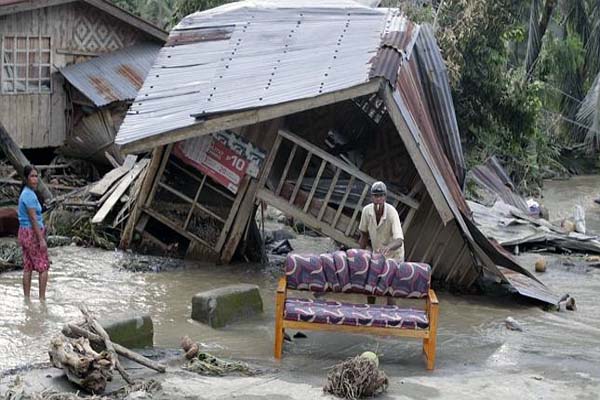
119, 191
15, 182
74, 331
19, 161
83, 365
104, 184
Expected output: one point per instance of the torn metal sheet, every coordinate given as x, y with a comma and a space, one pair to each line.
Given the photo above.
528, 287
493, 178
509, 226
116, 76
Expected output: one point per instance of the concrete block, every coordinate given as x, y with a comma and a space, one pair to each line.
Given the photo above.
218, 307
136, 331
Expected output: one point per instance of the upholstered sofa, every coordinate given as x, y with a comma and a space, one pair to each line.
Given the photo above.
360, 272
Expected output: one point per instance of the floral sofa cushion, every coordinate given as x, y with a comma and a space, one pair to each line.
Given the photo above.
333, 312
357, 271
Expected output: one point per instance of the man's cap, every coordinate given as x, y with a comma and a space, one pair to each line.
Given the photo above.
378, 188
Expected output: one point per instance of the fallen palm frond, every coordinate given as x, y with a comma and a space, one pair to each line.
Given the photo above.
589, 115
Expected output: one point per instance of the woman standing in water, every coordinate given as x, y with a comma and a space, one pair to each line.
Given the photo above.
32, 234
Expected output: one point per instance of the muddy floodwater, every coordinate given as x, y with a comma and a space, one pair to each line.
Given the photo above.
557, 356
561, 196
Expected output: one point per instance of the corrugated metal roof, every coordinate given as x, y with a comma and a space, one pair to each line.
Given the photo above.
434, 79
253, 54
116, 76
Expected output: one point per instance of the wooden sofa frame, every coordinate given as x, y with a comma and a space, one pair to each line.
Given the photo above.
428, 335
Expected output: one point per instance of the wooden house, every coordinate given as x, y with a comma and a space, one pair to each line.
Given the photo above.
37, 39
303, 107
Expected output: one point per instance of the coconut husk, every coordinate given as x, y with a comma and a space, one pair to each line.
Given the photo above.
356, 378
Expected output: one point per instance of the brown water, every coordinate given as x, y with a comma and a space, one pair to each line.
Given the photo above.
561, 197
562, 347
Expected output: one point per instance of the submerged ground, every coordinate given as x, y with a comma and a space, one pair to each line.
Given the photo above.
556, 357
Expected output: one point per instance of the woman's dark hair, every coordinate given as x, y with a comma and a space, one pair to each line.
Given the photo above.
26, 171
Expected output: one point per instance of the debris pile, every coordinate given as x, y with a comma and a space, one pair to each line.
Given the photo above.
11, 255
207, 364
61, 175
138, 390
94, 214
89, 358
357, 378
511, 227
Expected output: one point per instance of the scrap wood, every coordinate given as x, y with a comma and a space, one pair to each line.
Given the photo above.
108, 205
107, 343
73, 331
83, 365
15, 182
104, 184
125, 211
16, 391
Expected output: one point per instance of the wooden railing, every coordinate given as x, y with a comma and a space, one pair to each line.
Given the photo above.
323, 215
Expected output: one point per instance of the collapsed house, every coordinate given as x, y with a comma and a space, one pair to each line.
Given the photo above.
39, 41
302, 106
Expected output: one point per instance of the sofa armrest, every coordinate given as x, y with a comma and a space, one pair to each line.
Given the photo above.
432, 297
282, 285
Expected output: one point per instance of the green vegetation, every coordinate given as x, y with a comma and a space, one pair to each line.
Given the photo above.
166, 13
520, 71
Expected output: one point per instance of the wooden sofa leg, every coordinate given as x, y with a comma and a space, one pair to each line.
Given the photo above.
429, 350
279, 306
279, 333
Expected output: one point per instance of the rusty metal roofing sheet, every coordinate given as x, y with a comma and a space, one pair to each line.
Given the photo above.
116, 76
410, 87
410, 100
252, 54
434, 79
492, 176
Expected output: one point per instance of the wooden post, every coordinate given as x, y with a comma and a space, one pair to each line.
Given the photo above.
19, 161
147, 184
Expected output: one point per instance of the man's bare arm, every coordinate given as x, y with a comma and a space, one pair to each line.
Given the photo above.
363, 241
394, 245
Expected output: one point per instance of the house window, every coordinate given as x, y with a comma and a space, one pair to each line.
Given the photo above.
26, 64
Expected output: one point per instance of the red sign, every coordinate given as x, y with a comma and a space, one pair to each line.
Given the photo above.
214, 159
